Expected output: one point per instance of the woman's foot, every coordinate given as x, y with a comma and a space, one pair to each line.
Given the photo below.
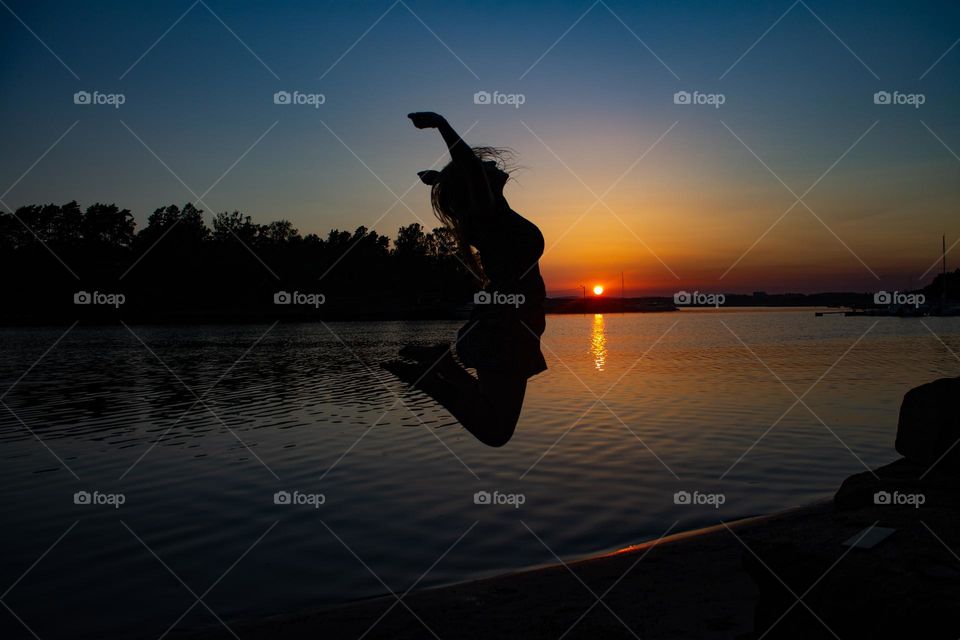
411, 373
422, 377
425, 354
438, 358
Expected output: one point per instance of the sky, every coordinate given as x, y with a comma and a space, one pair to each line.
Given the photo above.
782, 172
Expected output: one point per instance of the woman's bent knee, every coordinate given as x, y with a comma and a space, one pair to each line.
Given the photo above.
498, 435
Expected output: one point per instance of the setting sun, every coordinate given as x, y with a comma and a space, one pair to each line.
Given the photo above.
597, 290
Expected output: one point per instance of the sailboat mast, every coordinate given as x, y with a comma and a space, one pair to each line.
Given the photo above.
943, 258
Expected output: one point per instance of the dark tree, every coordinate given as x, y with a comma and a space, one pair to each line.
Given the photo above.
107, 224
177, 268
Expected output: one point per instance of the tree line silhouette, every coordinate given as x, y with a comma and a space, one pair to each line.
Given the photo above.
178, 268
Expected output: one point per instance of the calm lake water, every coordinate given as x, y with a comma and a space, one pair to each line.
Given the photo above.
696, 401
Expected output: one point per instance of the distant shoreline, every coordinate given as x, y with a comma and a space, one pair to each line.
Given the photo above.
265, 303
109, 318
354, 311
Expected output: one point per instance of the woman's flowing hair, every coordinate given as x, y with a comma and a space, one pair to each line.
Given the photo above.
455, 202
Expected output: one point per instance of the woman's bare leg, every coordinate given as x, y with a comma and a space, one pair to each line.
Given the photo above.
488, 407
497, 407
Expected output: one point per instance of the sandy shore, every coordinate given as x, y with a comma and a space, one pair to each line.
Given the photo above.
688, 585
702, 584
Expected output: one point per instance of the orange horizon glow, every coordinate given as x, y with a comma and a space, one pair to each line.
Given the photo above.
709, 226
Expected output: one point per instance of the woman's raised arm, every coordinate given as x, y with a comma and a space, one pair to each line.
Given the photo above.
460, 151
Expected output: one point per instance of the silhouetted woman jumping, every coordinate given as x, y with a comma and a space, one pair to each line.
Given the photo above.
502, 338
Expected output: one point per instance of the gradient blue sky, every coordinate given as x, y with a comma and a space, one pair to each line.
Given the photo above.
690, 209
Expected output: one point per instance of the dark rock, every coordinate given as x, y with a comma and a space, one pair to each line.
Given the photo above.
929, 424
902, 487
907, 585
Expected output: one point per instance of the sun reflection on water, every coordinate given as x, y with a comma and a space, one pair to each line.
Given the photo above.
598, 342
